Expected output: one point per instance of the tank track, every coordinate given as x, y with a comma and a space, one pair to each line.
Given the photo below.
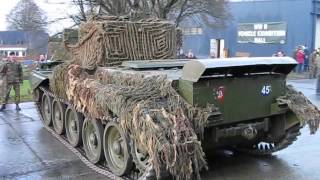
265, 149
100, 168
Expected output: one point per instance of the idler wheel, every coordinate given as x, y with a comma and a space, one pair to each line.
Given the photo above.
116, 149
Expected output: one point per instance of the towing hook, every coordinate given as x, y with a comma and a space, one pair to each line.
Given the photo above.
250, 133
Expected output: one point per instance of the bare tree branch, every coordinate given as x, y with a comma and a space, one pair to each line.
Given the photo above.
211, 11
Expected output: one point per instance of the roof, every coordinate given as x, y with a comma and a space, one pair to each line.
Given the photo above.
36, 40
13, 46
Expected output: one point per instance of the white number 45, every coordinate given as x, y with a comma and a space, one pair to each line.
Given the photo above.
266, 90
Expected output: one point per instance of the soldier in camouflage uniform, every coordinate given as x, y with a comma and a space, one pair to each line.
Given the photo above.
12, 69
314, 63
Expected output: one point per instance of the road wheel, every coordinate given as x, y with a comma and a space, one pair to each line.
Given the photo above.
140, 157
46, 109
73, 124
58, 110
116, 149
92, 132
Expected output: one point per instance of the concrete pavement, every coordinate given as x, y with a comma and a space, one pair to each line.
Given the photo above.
28, 151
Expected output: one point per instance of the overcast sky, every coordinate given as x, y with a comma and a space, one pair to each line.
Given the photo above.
54, 8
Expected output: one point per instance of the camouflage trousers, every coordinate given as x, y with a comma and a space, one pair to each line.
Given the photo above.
313, 72
6, 94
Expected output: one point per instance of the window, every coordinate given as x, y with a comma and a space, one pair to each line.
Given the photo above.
20, 42
192, 31
16, 53
24, 53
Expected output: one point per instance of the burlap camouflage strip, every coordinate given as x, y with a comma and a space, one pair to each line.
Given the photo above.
108, 43
306, 112
149, 109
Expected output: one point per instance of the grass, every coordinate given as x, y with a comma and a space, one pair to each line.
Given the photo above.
25, 92
25, 88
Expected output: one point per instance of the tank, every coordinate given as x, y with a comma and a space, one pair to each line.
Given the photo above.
124, 104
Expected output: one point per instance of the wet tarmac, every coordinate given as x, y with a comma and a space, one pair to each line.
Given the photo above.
28, 151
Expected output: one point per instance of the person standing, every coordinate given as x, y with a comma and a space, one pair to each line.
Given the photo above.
12, 69
318, 73
190, 55
306, 58
300, 59
313, 64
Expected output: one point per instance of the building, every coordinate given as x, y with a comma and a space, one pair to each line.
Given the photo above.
259, 28
19, 50
25, 44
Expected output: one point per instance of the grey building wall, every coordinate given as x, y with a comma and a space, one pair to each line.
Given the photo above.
296, 13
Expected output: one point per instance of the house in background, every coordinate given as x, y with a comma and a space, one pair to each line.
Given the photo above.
19, 50
27, 45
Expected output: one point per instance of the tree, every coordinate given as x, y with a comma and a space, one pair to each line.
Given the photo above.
210, 11
27, 16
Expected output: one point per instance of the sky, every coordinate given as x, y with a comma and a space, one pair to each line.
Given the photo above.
54, 8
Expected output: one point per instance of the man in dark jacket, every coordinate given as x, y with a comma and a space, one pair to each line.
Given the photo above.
12, 70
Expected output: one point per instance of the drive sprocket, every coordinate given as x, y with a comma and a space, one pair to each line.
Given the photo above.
267, 148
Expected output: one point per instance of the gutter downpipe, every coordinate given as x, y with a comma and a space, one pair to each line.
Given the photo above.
314, 23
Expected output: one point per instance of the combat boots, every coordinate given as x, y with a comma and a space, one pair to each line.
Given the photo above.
17, 107
3, 107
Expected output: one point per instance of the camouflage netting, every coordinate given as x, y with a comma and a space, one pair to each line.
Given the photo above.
148, 109
306, 112
151, 111
108, 42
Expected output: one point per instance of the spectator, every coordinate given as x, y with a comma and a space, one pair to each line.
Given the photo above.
314, 64
190, 55
42, 58
306, 58
318, 74
300, 59
181, 54
279, 54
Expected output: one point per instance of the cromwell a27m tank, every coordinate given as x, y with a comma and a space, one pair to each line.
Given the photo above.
124, 104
